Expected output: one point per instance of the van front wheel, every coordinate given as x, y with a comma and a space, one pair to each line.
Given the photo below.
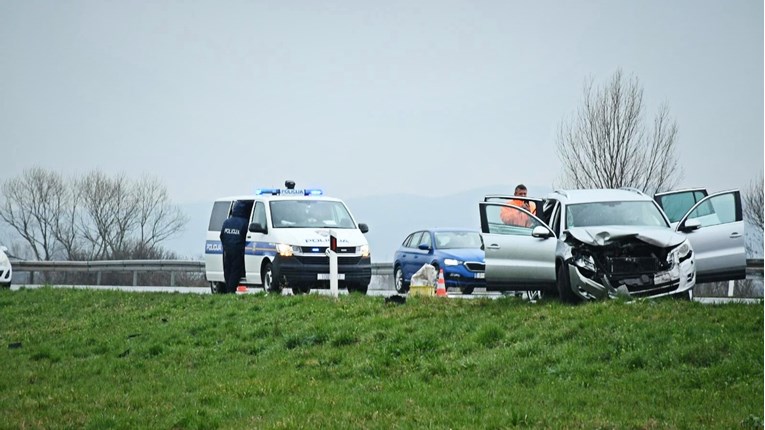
358, 288
270, 283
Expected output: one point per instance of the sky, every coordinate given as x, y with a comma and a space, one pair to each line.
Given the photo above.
365, 98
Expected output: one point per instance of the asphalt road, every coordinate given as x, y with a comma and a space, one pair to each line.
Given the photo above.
478, 293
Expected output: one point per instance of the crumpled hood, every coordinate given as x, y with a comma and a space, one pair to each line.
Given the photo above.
320, 237
463, 254
607, 235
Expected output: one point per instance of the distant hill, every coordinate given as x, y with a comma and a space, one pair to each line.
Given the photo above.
390, 218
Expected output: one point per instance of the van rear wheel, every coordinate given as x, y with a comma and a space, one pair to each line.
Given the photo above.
217, 288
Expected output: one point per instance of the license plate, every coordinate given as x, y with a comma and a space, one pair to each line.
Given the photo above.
325, 276
480, 275
662, 277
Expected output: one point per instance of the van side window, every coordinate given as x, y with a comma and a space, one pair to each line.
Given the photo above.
259, 214
219, 214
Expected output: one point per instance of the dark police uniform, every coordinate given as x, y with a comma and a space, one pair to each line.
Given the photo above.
233, 237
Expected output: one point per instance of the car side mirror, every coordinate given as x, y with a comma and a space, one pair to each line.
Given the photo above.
423, 246
257, 228
541, 232
690, 225
363, 227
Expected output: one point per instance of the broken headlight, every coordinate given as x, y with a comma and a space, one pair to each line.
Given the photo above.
680, 254
585, 262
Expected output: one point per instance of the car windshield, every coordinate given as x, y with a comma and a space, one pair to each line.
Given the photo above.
614, 213
457, 239
310, 214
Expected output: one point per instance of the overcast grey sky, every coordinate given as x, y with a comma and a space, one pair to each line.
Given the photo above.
364, 97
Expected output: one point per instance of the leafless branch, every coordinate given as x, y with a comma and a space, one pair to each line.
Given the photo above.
607, 144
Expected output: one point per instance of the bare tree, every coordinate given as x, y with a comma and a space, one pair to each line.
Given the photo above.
93, 217
607, 144
753, 214
31, 205
156, 218
107, 215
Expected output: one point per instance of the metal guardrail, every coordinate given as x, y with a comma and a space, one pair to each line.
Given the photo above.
187, 266
99, 267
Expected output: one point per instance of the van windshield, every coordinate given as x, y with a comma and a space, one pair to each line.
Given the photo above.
310, 214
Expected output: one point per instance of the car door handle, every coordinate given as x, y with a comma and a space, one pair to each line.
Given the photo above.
492, 246
735, 235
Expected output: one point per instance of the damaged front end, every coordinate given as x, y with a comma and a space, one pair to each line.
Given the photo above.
608, 263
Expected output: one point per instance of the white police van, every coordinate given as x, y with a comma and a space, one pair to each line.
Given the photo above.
287, 239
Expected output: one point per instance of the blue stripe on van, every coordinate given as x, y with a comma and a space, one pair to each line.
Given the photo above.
250, 248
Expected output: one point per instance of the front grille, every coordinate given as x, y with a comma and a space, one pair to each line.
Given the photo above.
632, 265
322, 249
324, 260
475, 266
653, 290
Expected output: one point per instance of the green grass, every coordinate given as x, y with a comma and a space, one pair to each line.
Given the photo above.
109, 360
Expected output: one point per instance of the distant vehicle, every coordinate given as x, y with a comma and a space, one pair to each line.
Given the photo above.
589, 244
6, 271
459, 252
287, 240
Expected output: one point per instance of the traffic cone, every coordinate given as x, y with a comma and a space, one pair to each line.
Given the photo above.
241, 289
441, 284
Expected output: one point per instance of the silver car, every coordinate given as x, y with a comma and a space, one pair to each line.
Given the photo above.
598, 243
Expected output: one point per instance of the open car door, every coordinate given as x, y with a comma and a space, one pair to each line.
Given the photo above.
676, 204
519, 248
715, 228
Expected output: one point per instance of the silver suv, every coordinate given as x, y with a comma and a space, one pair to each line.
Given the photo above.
598, 243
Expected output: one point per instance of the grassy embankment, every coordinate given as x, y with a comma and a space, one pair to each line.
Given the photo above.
102, 359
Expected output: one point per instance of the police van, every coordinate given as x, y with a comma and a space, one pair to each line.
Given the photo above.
287, 240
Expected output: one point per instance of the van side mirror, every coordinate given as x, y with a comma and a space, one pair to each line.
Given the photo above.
363, 227
257, 228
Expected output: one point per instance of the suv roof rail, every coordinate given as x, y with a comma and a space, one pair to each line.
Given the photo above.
563, 193
633, 189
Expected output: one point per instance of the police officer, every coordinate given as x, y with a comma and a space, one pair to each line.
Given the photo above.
232, 236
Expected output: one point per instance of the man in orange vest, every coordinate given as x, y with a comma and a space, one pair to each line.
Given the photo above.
516, 217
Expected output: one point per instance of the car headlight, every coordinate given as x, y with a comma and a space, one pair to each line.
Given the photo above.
451, 262
364, 250
286, 250
585, 262
4, 261
681, 253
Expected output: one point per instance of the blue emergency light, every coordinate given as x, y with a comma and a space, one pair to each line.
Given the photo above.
289, 192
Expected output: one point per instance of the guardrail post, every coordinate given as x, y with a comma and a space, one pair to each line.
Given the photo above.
98, 278
135, 278
172, 279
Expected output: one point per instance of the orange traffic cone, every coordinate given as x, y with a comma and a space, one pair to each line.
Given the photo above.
241, 289
441, 284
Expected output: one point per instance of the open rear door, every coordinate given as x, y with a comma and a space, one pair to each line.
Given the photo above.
718, 243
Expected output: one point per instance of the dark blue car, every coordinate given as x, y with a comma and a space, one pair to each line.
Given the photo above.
458, 251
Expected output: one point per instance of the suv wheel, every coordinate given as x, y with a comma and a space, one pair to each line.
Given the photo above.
564, 286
